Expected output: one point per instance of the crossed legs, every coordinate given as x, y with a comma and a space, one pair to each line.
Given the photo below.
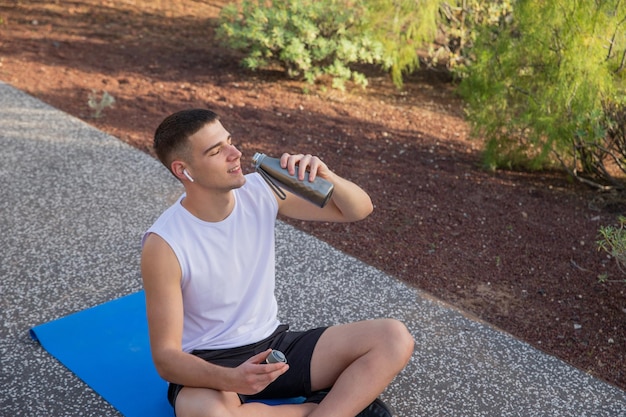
201, 402
358, 360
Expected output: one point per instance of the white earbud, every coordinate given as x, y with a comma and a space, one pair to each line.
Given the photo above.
186, 174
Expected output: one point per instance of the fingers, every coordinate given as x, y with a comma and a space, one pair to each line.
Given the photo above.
259, 357
306, 163
276, 369
255, 374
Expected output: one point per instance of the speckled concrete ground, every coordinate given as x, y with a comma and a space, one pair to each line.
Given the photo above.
73, 205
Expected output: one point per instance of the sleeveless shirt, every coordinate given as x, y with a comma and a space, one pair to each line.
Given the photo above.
228, 269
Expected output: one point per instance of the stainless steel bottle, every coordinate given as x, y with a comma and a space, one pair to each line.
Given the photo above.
318, 191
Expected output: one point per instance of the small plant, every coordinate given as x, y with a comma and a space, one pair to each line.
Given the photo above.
613, 241
98, 104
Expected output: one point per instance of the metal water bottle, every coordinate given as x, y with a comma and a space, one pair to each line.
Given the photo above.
317, 192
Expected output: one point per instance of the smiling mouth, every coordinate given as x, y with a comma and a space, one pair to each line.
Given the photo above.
230, 171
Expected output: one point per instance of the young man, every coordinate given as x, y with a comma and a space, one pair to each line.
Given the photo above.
208, 273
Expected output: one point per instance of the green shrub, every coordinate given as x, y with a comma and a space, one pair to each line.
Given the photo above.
307, 38
537, 88
403, 27
461, 23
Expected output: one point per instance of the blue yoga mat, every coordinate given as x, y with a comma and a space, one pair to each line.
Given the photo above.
107, 346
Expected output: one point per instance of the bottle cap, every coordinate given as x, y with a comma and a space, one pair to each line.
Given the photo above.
276, 356
257, 158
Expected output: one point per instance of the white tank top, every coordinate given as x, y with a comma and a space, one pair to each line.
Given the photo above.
228, 269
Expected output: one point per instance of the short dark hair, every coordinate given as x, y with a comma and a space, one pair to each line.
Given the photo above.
171, 137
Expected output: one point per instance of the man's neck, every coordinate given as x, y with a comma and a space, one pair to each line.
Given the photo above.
210, 207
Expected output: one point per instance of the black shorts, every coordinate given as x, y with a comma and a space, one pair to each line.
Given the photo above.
297, 347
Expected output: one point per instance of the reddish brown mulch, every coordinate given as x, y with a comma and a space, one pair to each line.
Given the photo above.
517, 250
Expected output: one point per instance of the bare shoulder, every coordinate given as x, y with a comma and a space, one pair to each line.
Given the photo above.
158, 261
154, 243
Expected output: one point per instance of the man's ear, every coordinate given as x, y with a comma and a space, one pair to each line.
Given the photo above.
179, 171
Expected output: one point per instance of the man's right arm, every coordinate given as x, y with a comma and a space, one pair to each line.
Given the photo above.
161, 275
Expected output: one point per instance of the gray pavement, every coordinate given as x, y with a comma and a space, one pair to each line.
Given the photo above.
73, 205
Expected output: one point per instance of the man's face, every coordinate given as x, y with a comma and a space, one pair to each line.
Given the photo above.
215, 161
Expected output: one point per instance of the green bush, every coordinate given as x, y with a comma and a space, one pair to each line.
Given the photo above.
403, 27
538, 88
461, 22
307, 38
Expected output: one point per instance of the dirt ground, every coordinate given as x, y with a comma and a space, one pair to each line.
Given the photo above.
516, 250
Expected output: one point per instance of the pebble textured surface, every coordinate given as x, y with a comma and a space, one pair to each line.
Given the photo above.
73, 205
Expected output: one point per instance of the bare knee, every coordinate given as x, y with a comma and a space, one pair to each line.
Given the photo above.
397, 341
199, 402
